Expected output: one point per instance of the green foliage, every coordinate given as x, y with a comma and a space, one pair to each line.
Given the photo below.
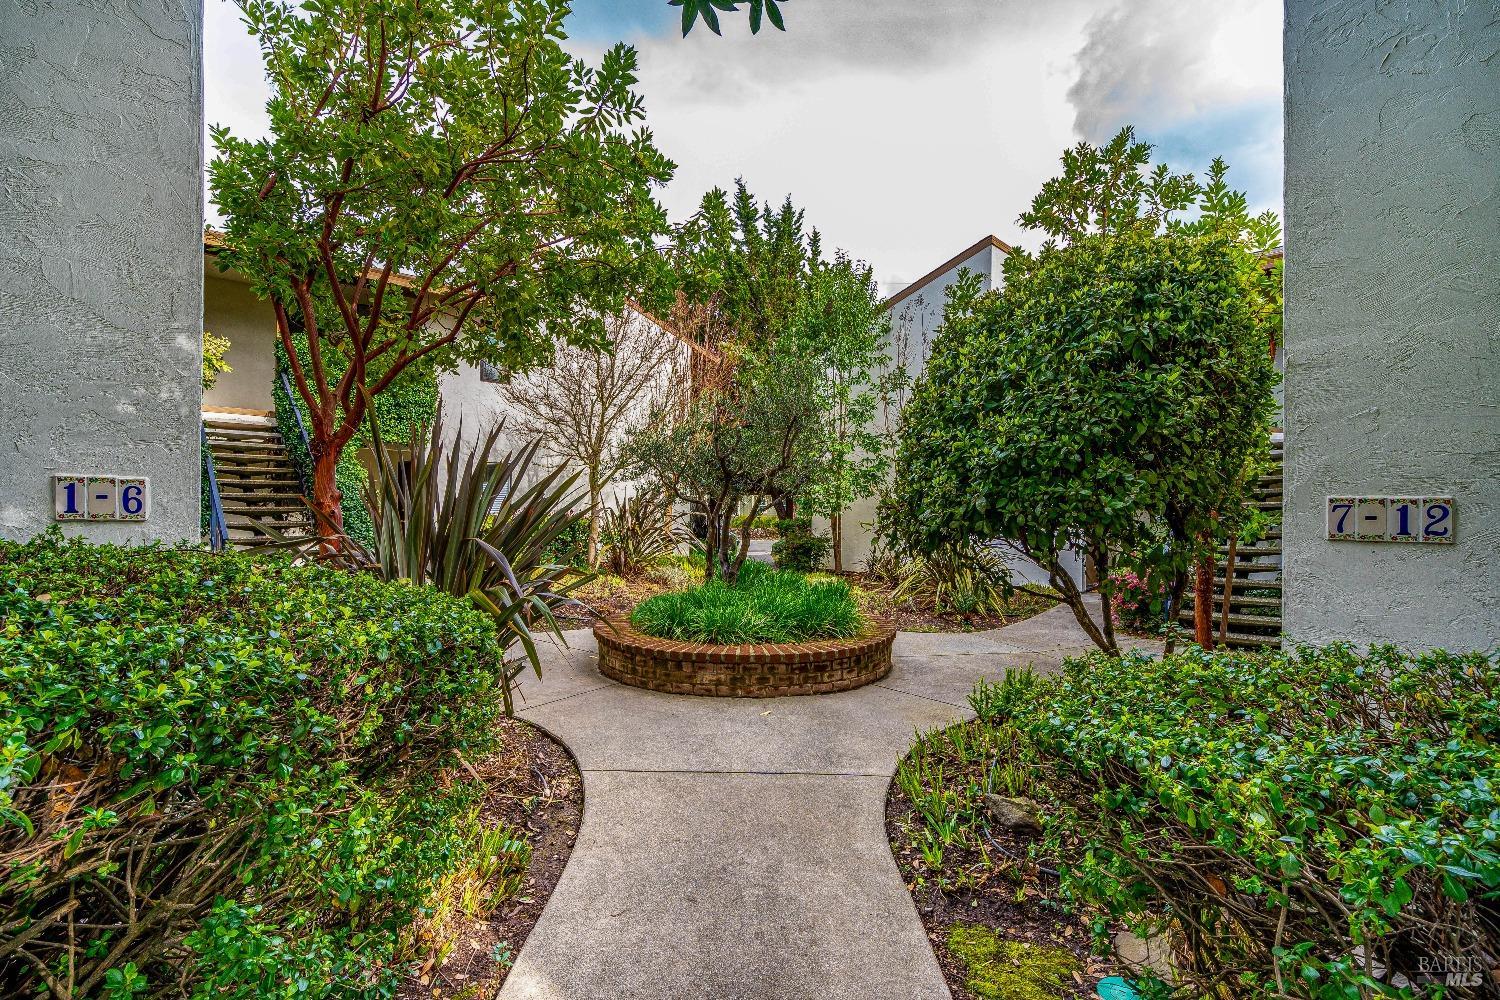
954, 580
639, 531
789, 339
708, 10
570, 547
1276, 812
435, 522
797, 548
1108, 399
766, 605
441, 182
997, 969
214, 365
1113, 395
237, 770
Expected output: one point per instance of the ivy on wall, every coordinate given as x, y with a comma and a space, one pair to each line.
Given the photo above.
407, 403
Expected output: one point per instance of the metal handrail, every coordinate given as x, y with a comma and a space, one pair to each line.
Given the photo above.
302, 476
218, 530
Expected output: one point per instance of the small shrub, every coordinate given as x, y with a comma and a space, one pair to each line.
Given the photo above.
638, 531
797, 548
223, 777
1138, 602
1295, 821
764, 606
956, 580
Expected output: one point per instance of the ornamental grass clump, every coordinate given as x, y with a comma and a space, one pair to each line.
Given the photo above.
765, 606
1314, 824
228, 777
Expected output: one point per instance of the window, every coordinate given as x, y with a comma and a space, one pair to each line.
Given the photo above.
489, 372
501, 495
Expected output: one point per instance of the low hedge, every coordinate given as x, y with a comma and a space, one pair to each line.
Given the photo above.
764, 606
222, 777
1304, 825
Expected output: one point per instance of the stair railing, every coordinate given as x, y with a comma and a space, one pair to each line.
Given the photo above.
218, 530
302, 472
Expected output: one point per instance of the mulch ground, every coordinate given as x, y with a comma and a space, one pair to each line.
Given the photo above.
534, 788
1001, 891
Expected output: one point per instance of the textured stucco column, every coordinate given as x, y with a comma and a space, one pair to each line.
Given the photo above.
101, 257
1393, 313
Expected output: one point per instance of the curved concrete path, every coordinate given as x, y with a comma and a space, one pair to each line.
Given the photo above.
735, 849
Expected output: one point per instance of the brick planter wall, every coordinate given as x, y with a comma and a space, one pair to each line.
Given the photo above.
818, 667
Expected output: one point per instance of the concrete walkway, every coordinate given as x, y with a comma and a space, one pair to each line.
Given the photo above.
735, 849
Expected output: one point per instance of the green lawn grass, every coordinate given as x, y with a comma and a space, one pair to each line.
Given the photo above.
766, 605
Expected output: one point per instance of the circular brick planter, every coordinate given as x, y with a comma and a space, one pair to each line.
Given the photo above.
818, 667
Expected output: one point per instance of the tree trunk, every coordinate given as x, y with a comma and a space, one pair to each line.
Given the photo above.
593, 523
327, 501
786, 506
836, 532
1203, 603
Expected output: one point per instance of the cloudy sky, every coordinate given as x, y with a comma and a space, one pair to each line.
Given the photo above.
909, 129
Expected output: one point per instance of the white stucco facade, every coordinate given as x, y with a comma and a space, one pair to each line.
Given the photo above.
101, 227
1393, 314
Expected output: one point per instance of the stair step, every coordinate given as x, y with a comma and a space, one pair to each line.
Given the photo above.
1245, 641
267, 459
241, 497
1236, 601
1239, 584
238, 433
1252, 551
245, 447
1242, 621
260, 511
239, 480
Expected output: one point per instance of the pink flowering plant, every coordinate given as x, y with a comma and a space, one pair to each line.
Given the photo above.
1139, 602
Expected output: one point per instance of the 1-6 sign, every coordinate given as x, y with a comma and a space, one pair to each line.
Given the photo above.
1391, 519
101, 498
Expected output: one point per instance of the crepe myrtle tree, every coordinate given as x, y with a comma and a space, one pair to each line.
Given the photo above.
441, 181
1105, 401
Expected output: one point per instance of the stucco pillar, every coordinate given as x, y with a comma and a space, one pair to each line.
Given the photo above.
1393, 314
101, 259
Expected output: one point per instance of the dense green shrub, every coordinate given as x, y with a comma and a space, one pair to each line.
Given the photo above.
766, 605
1275, 813
223, 777
797, 548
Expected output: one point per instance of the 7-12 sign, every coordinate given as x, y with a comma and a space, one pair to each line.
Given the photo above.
101, 498
1427, 520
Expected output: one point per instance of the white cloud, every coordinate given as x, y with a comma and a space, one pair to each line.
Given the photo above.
908, 130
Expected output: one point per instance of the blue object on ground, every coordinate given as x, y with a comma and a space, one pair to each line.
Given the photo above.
1115, 988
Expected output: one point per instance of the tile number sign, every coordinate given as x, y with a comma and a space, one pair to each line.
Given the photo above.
101, 498
1427, 520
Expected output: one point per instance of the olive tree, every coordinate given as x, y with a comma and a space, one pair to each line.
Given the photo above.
1105, 401
441, 182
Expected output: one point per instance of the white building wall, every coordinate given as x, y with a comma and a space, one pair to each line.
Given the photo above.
1393, 314
101, 258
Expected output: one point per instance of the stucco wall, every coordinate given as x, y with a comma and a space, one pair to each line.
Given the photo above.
231, 310
1393, 313
101, 260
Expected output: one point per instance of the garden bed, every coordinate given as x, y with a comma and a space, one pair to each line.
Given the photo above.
534, 789
973, 882
820, 666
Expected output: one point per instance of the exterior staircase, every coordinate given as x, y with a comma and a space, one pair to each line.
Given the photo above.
1253, 573
255, 479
